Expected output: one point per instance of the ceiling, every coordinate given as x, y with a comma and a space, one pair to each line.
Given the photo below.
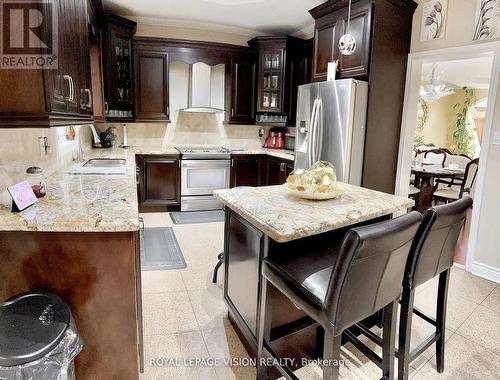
473, 73
259, 16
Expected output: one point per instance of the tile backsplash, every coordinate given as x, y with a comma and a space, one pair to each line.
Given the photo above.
193, 128
19, 147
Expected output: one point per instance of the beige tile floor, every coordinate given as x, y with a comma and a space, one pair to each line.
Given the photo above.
185, 317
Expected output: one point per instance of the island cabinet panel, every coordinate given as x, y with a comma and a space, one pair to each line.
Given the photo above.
278, 171
158, 179
247, 170
242, 261
98, 275
151, 89
243, 71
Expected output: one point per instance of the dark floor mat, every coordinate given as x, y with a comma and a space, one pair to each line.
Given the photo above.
160, 250
190, 217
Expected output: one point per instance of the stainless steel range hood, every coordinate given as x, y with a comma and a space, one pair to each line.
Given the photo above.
206, 88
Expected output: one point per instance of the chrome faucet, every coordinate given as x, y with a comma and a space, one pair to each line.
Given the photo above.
95, 138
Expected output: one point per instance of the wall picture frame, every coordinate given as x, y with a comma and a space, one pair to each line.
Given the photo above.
487, 21
434, 20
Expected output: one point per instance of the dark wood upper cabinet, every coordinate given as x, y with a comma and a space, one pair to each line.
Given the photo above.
325, 43
358, 63
271, 73
158, 178
117, 58
151, 85
243, 71
382, 29
151, 69
279, 74
329, 27
53, 96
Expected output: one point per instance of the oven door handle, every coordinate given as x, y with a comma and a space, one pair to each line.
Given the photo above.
206, 163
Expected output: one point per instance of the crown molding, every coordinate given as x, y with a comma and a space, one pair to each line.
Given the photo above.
306, 32
196, 25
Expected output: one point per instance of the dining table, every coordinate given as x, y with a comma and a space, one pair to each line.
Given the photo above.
426, 180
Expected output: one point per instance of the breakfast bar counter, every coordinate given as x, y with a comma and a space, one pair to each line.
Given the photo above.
285, 217
268, 222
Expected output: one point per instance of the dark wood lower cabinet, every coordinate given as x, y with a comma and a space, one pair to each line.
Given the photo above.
158, 179
247, 170
278, 171
259, 170
98, 275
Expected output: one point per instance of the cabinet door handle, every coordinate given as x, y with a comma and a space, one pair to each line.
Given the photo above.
70, 84
106, 108
71, 89
89, 94
137, 175
232, 112
232, 162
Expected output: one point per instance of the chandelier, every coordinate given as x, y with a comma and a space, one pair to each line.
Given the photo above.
435, 88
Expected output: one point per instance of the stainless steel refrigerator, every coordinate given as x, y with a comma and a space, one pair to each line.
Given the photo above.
331, 118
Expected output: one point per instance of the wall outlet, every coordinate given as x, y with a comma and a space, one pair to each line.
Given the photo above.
43, 146
496, 138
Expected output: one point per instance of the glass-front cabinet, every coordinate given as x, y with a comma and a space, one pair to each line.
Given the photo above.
272, 79
118, 91
277, 78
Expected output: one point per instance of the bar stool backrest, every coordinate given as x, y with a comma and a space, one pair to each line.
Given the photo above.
368, 273
434, 246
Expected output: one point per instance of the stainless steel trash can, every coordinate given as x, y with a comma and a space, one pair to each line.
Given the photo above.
38, 338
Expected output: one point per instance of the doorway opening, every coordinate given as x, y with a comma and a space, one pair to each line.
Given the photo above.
443, 130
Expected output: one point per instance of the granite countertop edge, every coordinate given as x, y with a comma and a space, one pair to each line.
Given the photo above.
67, 209
276, 226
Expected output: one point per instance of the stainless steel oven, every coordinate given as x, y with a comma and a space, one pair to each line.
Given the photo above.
202, 172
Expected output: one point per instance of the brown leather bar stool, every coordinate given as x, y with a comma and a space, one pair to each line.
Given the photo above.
344, 286
431, 255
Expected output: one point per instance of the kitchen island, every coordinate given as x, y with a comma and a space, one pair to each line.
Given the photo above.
268, 221
81, 242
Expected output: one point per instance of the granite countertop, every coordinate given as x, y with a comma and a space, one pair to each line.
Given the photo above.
92, 203
284, 217
279, 153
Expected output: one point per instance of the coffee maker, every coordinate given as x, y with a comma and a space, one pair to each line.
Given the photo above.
276, 138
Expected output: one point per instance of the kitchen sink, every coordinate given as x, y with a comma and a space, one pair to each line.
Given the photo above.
105, 163
101, 166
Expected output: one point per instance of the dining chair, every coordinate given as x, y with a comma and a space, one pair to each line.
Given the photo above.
431, 255
453, 193
454, 159
458, 159
425, 147
340, 287
437, 156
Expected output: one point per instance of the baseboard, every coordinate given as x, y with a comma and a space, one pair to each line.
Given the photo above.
486, 271
461, 266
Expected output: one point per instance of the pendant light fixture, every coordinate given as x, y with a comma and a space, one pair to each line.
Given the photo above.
347, 42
